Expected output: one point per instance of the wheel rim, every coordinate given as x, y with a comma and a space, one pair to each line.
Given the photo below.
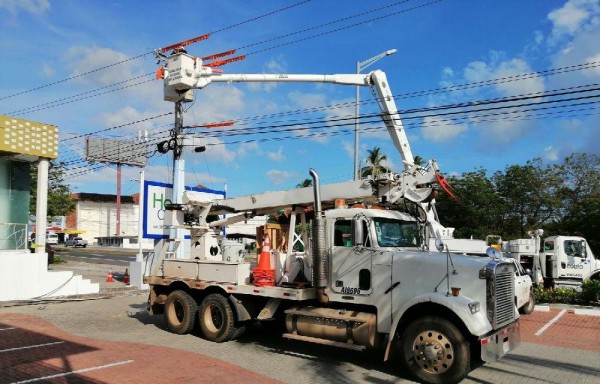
433, 352
214, 318
176, 313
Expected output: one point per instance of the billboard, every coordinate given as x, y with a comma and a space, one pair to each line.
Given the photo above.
156, 223
115, 151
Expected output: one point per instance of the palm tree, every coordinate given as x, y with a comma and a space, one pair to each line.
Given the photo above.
305, 183
375, 158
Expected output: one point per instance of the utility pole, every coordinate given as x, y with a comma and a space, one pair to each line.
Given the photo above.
178, 173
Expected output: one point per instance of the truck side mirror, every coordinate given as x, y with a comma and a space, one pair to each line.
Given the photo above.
358, 234
583, 249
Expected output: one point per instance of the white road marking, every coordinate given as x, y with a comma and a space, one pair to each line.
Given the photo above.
7, 329
74, 372
30, 346
548, 324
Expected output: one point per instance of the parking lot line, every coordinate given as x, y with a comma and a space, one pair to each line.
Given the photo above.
74, 372
548, 324
30, 346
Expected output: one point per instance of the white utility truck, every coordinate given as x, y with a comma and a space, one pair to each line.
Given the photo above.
558, 261
361, 278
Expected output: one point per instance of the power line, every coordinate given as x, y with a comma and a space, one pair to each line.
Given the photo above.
149, 52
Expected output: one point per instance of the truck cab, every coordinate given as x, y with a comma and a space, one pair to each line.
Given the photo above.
567, 261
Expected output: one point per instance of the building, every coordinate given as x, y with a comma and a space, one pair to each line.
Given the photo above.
95, 220
24, 275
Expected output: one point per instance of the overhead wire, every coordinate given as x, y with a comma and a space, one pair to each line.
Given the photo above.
149, 52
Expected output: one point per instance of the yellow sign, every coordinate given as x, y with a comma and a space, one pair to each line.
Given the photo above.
24, 137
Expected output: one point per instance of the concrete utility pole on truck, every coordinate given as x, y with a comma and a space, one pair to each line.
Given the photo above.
365, 281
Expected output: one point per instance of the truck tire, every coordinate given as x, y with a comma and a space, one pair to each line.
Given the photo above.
217, 320
530, 305
435, 351
180, 312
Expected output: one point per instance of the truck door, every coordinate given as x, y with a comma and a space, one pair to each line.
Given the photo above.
351, 267
575, 264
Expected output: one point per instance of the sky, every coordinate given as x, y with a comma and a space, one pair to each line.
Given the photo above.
88, 67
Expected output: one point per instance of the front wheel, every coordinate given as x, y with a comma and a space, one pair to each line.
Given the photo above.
435, 351
180, 312
530, 305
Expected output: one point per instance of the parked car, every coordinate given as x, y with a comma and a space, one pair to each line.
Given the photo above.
52, 238
75, 242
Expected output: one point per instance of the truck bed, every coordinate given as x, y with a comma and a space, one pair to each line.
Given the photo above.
233, 277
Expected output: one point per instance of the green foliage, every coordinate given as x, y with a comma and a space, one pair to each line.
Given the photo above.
562, 199
375, 158
305, 183
588, 295
477, 212
558, 295
60, 202
590, 291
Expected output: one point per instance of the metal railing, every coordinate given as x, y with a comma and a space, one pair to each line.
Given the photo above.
13, 236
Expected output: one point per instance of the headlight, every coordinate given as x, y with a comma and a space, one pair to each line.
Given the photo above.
474, 307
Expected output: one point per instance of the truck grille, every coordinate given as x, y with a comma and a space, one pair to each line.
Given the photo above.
501, 295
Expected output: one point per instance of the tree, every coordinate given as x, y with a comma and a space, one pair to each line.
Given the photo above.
529, 196
60, 202
477, 211
580, 198
375, 158
305, 183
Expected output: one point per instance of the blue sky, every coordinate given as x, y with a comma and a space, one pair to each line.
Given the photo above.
440, 44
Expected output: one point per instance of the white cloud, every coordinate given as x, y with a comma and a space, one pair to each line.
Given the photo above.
85, 59
127, 115
36, 7
551, 153
277, 156
48, 70
278, 177
216, 151
217, 103
436, 129
499, 68
574, 16
245, 148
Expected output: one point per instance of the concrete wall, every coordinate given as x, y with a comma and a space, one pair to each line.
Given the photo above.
25, 275
100, 219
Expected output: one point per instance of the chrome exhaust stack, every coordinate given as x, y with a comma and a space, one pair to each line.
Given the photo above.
319, 246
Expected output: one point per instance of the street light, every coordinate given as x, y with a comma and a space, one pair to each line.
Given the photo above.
360, 65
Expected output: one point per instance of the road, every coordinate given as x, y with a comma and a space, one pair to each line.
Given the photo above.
96, 255
115, 340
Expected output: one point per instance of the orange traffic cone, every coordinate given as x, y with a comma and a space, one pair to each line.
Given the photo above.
263, 274
126, 277
110, 279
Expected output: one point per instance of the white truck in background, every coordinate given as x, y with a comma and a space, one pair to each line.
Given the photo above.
364, 278
557, 261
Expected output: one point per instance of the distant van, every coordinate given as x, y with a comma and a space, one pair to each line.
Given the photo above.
52, 238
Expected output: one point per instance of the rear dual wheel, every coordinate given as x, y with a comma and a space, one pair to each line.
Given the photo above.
180, 312
217, 319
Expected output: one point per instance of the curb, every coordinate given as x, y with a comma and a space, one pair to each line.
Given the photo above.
573, 310
103, 294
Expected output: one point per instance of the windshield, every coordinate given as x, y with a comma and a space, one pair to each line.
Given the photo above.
395, 233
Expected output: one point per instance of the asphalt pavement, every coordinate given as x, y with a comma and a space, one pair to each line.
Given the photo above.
111, 338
